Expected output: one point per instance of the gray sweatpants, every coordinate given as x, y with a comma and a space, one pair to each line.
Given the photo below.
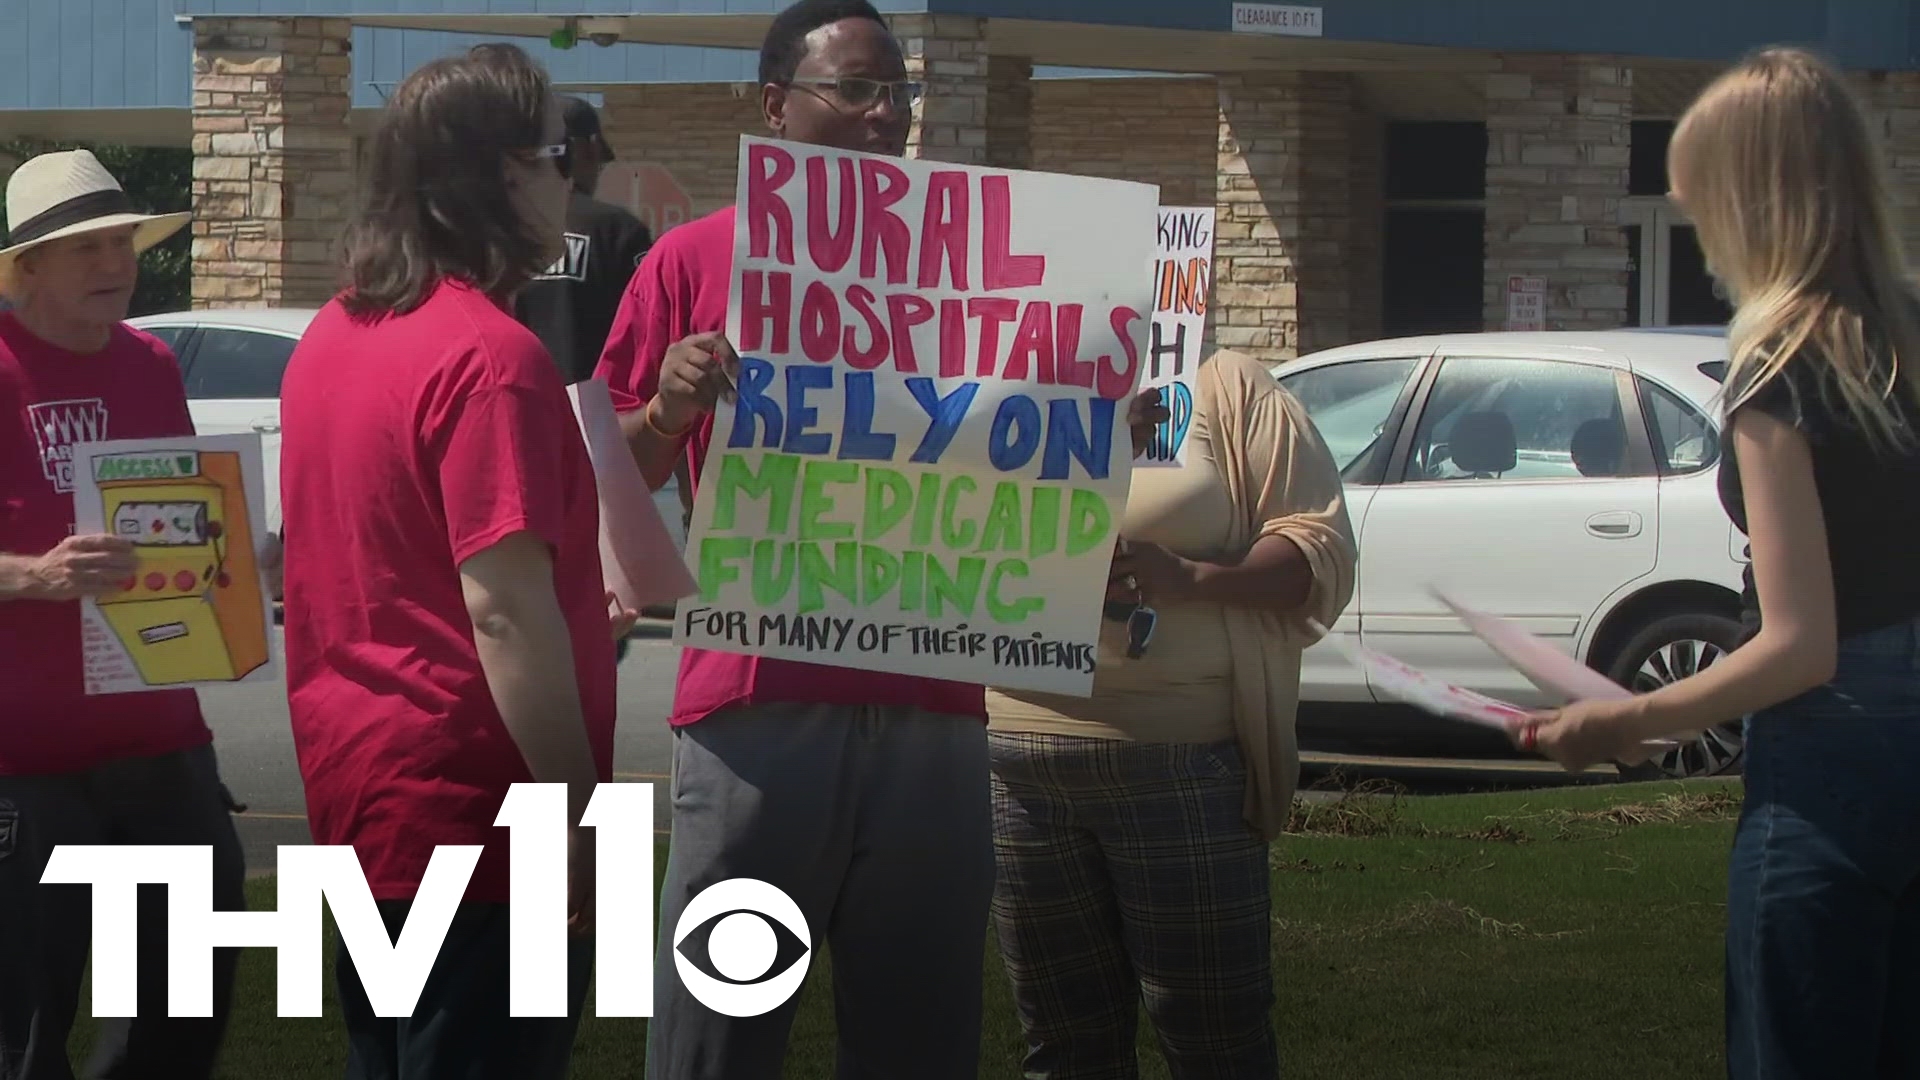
876, 822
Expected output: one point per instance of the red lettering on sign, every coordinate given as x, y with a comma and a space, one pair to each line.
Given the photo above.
880, 227
944, 228
1001, 268
830, 247
904, 312
1116, 383
765, 298
769, 221
875, 353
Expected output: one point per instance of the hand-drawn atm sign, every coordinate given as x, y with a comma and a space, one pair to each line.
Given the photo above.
649, 191
192, 612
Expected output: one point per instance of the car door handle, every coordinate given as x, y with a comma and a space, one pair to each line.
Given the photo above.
1614, 525
266, 427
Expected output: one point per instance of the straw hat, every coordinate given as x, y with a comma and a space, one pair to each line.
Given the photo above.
70, 192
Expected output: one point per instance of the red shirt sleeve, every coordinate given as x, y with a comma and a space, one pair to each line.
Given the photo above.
652, 316
496, 453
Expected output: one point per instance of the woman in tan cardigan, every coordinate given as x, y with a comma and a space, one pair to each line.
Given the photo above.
1131, 827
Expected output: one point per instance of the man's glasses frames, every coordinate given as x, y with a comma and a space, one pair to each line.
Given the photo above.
865, 93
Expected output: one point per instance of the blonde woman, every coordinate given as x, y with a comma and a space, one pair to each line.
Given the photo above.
1775, 165
1131, 827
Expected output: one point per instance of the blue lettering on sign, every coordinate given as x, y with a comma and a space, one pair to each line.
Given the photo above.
858, 441
751, 402
1170, 434
800, 416
1067, 439
945, 414
1010, 449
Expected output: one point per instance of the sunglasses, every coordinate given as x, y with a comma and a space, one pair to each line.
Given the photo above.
1141, 621
860, 93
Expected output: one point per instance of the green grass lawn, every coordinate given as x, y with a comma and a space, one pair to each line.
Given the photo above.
1563, 934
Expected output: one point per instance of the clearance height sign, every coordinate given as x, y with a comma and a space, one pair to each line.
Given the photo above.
924, 465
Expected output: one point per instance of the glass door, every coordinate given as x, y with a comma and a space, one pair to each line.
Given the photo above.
1667, 279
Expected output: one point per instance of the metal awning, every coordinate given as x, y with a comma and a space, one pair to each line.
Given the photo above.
1045, 42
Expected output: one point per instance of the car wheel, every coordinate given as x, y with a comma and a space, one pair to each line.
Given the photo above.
1668, 649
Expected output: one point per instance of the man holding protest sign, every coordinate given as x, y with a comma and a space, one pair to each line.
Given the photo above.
859, 793
78, 768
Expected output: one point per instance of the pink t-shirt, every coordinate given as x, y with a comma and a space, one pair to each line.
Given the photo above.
681, 289
412, 444
51, 399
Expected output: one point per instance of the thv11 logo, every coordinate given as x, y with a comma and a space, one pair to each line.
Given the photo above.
742, 944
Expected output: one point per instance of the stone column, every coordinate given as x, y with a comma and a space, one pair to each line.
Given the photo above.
1559, 141
273, 170
1282, 286
1010, 112
948, 54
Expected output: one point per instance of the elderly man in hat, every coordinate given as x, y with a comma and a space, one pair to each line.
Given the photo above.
74, 768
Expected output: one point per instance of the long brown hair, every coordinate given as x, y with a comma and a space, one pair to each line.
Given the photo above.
1777, 168
438, 204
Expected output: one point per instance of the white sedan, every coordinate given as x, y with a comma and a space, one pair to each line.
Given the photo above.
1563, 480
233, 360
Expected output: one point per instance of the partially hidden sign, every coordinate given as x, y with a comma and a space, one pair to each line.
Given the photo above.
926, 458
1182, 282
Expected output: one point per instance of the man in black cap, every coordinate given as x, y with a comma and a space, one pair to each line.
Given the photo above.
571, 306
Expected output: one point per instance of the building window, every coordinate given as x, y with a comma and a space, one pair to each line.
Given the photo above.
1434, 242
1443, 160
1647, 157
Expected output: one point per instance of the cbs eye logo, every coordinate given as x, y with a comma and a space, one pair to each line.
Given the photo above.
745, 931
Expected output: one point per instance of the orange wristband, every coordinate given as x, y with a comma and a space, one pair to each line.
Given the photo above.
663, 432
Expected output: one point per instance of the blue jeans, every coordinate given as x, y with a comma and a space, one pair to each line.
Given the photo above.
1823, 909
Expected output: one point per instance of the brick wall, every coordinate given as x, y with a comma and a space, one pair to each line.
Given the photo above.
691, 130
1151, 131
273, 175
1892, 100
1010, 112
948, 55
1558, 147
1281, 276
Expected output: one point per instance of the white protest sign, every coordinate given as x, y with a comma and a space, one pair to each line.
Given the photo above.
1182, 283
197, 611
926, 461
637, 556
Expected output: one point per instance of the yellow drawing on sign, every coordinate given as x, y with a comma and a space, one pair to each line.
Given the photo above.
193, 610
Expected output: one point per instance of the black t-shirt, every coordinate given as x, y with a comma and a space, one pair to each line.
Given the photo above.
1869, 498
571, 307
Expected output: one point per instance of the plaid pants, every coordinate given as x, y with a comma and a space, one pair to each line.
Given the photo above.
1127, 876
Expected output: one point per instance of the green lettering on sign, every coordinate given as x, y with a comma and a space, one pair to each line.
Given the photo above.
774, 481
1088, 522
814, 501
889, 501
152, 465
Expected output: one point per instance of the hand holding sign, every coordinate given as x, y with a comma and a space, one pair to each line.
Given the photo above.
696, 373
91, 565
1143, 416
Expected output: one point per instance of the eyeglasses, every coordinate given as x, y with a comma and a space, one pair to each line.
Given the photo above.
866, 93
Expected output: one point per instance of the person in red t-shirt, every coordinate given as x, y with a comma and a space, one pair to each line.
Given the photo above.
447, 625
861, 794
75, 768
